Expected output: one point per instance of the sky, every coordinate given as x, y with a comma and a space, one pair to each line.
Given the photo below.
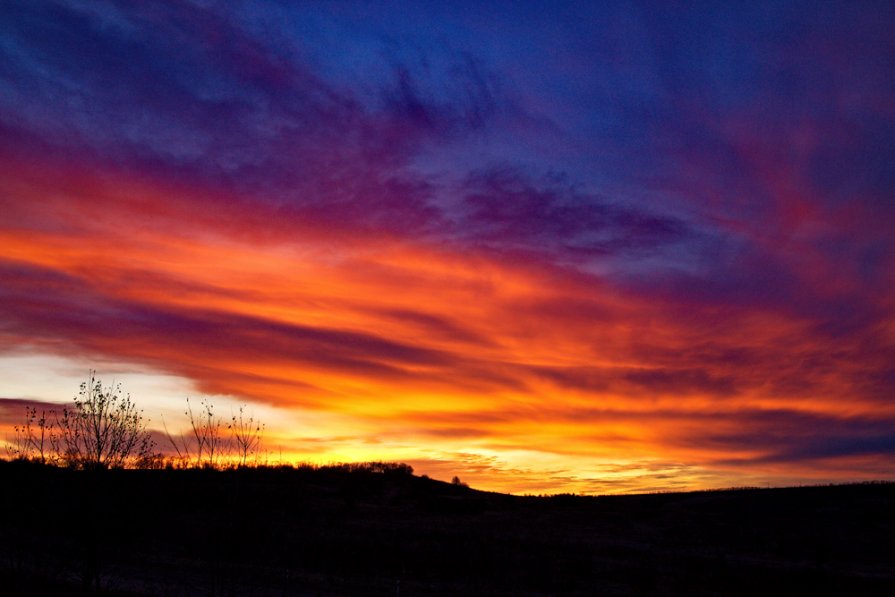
546, 247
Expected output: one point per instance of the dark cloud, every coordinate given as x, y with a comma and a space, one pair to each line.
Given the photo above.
450, 99
781, 436
13, 409
507, 208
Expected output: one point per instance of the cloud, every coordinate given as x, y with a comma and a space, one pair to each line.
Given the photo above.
505, 208
12, 409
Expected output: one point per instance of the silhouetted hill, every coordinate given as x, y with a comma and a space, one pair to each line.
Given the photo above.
379, 530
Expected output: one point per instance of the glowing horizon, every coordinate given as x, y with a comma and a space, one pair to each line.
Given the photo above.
400, 250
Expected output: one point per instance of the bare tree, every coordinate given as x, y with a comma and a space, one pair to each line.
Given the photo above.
246, 433
35, 437
103, 429
206, 430
181, 444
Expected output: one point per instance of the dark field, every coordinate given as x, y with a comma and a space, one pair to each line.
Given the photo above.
362, 532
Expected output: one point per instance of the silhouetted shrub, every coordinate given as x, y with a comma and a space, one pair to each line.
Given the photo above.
246, 435
34, 439
206, 445
103, 429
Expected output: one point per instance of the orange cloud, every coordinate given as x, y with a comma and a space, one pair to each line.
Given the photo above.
519, 374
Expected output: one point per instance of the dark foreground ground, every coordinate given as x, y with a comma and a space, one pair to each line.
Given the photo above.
337, 532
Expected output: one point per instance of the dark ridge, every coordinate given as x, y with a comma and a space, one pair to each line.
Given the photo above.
376, 529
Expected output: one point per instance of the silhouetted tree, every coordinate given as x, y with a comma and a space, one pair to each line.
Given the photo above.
206, 429
246, 433
34, 438
103, 429
182, 445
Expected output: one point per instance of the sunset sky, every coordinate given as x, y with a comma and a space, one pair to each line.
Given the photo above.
547, 247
